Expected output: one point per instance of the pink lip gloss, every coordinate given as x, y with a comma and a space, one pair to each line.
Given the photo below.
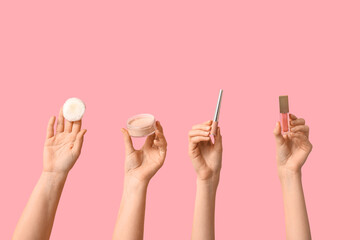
284, 113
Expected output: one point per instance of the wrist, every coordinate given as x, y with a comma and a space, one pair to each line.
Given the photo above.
209, 183
53, 180
134, 184
287, 176
57, 176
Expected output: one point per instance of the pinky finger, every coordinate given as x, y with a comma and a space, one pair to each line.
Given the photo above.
79, 142
292, 116
50, 128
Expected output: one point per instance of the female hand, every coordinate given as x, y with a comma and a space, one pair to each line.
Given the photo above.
205, 155
142, 164
292, 149
62, 148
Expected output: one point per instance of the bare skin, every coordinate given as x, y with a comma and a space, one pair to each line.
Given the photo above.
140, 166
292, 151
61, 150
206, 158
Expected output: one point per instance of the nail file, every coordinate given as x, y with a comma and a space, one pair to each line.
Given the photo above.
216, 116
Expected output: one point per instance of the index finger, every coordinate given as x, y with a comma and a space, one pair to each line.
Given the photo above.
159, 127
60, 122
160, 140
203, 126
292, 116
50, 128
159, 136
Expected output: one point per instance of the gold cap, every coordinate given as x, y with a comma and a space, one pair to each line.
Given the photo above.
284, 104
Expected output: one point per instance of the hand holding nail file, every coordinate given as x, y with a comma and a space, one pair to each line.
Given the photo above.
216, 116
284, 113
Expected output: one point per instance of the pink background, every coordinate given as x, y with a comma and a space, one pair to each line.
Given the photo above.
170, 58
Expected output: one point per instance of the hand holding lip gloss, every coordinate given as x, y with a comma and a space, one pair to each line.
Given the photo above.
292, 151
284, 113
216, 116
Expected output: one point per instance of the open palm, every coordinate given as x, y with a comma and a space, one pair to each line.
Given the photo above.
62, 149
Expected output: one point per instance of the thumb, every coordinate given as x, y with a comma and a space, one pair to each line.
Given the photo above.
277, 133
128, 142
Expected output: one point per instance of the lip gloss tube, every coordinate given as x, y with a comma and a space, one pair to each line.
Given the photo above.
284, 113
216, 116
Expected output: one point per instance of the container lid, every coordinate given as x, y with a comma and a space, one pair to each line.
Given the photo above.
284, 104
141, 121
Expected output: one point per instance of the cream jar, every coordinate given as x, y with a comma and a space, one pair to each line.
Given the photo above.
141, 125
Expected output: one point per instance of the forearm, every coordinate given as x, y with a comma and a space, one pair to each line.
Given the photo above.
130, 221
296, 218
38, 216
204, 213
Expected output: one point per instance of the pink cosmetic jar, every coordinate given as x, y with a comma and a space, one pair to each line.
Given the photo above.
141, 125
